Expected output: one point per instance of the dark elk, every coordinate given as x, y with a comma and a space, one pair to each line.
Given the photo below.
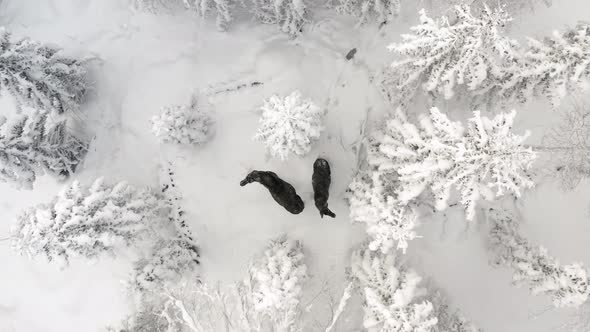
282, 192
320, 181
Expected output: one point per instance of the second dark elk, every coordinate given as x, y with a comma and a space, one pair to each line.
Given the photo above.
282, 192
320, 181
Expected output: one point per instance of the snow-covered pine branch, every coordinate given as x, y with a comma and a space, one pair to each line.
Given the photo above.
550, 68
388, 224
289, 15
485, 159
184, 124
37, 75
381, 11
222, 9
566, 285
29, 146
276, 281
175, 254
86, 221
289, 125
443, 58
392, 299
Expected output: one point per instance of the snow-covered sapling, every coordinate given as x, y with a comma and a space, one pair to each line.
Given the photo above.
39, 76
276, 282
289, 15
289, 125
320, 181
220, 8
87, 222
282, 192
566, 285
392, 299
485, 158
185, 124
29, 145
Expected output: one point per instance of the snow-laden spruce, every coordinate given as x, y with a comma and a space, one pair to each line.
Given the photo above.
484, 159
30, 146
183, 124
289, 125
221, 9
449, 319
388, 224
380, 11
392, 299
276, 282
567, 285
289, 15
175, 254
39, 76
86, 221
443, 58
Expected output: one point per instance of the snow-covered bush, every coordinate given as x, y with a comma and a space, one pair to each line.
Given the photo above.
449, 320
484, 159
439, 57
220, 8
289, 125
566, 285
37, 75
86, 222
380, 11
276, 282
388, 224
392, 299
185, 124
289, 15
29, 145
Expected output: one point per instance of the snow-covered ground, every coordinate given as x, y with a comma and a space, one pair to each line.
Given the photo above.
147, 62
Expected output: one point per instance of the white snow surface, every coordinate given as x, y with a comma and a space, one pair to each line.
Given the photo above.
152, 61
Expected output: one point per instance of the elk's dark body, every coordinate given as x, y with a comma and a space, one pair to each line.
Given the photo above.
282, 192
320, 181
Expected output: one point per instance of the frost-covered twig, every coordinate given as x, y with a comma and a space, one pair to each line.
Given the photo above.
346, 294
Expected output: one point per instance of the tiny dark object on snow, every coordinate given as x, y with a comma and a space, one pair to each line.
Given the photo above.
320, 182
351, 54
282, 192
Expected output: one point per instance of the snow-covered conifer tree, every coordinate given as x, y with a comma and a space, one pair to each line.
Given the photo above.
184, 124
29, 145
440, 57
392, 299
276, 282
449, 320
381, 11
86, 222
289, 125
388, 224
289, 15
485, 159
566, 285
39, 76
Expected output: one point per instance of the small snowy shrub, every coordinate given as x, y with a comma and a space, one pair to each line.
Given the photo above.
276, 281
289, 15
183, 124
567, 285
29, 146
391, 296
39, 76
86, 222
289, 125
204, 8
